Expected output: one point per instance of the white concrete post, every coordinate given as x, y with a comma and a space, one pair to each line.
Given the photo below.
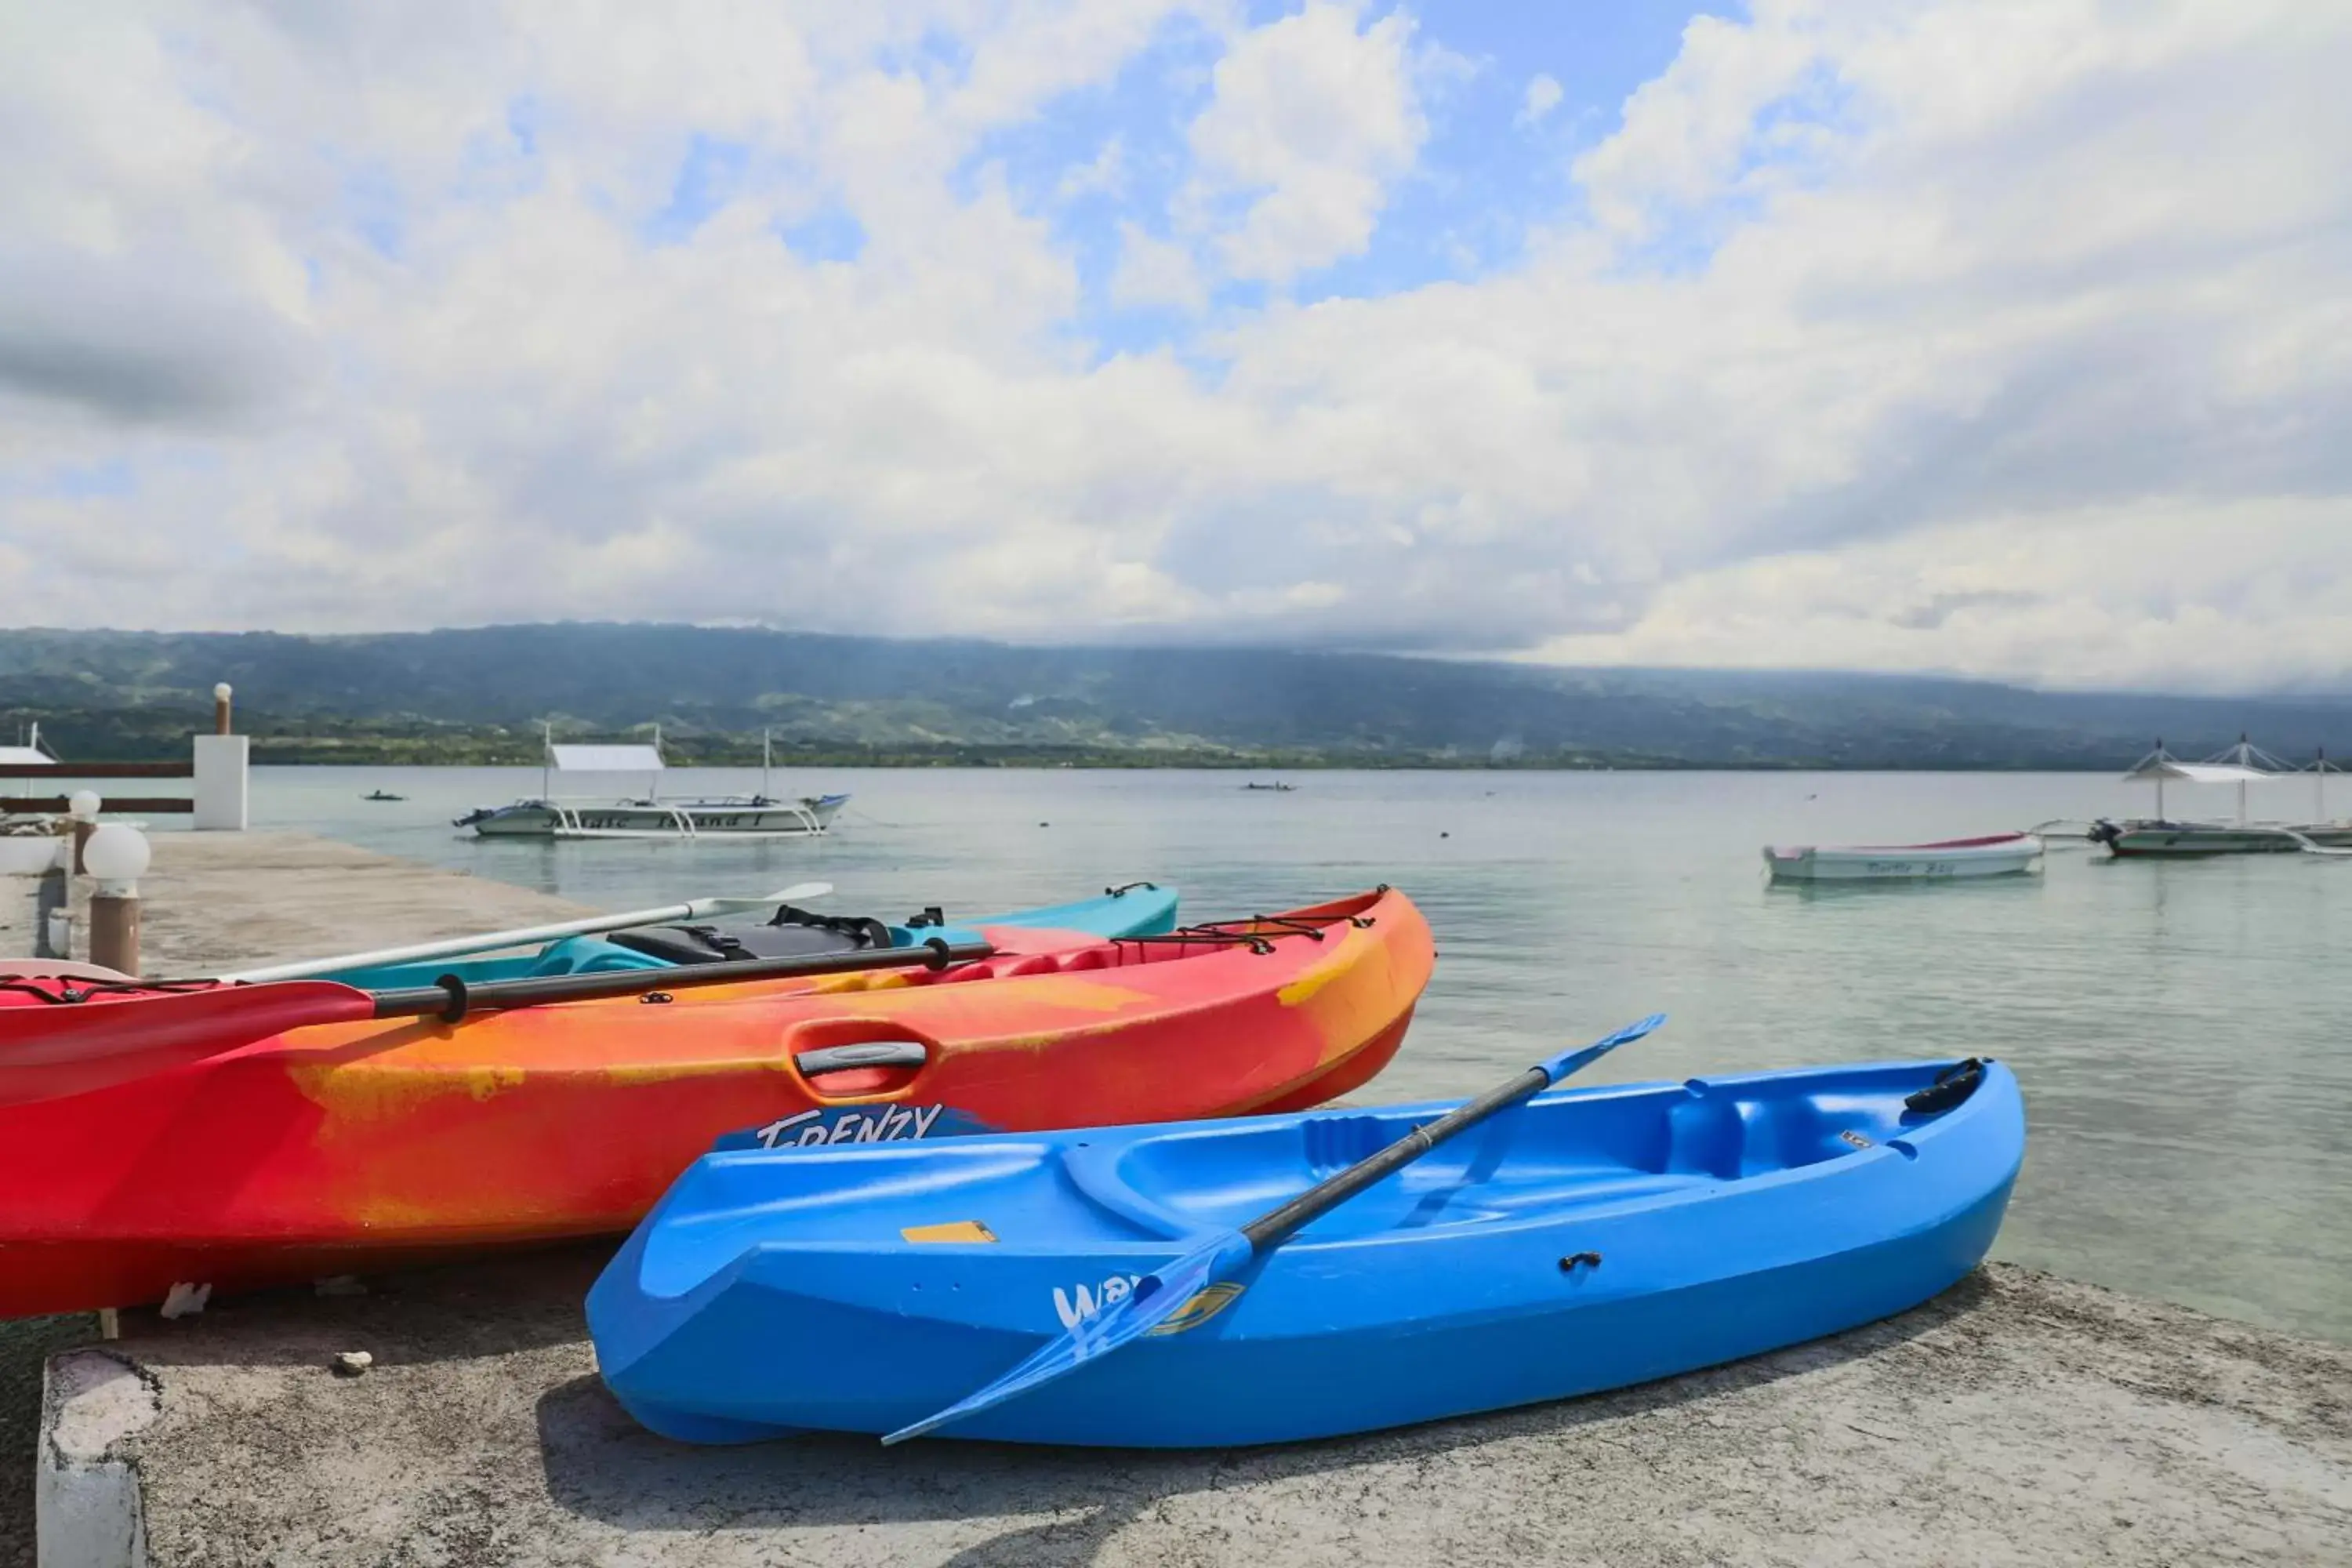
222, 764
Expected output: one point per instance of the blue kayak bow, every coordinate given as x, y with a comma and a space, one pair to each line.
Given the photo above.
1166, 1292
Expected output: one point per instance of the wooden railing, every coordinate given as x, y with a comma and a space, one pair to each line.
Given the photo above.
79, 773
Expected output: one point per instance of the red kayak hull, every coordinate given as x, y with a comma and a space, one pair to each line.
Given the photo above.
357, 1147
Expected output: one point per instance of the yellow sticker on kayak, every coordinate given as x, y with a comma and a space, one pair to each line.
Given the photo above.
1204, 1305
954, 1230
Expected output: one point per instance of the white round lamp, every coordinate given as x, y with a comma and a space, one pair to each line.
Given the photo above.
116, 855
82, 805
223, 692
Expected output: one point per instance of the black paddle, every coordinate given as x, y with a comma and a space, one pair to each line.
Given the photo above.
449, 998
72, 1047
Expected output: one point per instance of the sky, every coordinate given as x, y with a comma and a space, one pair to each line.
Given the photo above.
2006, 338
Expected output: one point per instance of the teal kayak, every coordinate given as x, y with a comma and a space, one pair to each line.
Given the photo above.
1138, 909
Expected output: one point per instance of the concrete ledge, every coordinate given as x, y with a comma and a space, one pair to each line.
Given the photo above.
2018, 1420
86, 1499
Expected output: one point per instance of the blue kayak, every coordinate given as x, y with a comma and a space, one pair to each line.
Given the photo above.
1588, 1240
1139, 909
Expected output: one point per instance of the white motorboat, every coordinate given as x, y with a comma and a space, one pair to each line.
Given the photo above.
648, 815
1995, 855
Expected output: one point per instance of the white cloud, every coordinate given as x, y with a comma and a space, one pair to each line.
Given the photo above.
1542, 96
1155, 273
1311, 120
2011, 337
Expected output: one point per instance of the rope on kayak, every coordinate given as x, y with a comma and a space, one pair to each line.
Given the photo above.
1201, 936
30, 986
1126, 888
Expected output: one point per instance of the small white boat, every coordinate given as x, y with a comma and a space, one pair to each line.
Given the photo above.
1996, 855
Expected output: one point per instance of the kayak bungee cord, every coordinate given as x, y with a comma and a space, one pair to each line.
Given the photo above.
1258, 933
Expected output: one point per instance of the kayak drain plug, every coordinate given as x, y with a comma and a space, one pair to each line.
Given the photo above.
1568, 1265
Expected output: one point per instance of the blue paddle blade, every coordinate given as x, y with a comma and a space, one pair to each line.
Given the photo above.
1568, 1062
1159, 1297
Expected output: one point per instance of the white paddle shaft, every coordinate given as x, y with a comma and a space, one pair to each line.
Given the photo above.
488, 941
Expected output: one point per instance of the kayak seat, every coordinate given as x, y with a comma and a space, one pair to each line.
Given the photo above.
1705, 1136
1728, 1138
1543, 1164
1018, 1188
1094, 1171
589, 955
683, 944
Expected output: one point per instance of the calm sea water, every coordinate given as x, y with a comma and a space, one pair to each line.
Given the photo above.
2179, 1029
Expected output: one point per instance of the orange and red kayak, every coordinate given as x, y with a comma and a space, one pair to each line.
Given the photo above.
344, 1147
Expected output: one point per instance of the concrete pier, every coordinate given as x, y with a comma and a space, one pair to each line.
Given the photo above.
221, 901
2018, 1419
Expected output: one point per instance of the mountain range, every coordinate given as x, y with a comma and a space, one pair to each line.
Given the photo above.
481, 694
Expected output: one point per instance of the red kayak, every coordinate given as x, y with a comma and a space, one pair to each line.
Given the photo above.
225, 1135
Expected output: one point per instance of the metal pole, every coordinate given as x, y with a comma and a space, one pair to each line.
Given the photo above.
221, 696
83, 806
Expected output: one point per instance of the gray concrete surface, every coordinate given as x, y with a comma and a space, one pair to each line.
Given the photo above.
221, 901
210, 901
2018, 1420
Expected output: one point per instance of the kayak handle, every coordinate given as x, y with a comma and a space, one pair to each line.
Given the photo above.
866, 1054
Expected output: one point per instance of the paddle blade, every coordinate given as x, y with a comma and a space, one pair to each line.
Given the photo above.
1161, 1296
49, 1051
798, 893
1567, 1062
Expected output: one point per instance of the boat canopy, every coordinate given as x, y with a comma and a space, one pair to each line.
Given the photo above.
2242, 763
2162, 767
606, 759
26, 757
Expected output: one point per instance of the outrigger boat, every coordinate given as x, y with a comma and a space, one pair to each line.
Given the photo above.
760, 815
2241, 764
1995, 855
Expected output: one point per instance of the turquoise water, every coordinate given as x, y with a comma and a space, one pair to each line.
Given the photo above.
2179, 1029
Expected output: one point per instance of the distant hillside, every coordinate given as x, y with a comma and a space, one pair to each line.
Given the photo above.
478, 694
